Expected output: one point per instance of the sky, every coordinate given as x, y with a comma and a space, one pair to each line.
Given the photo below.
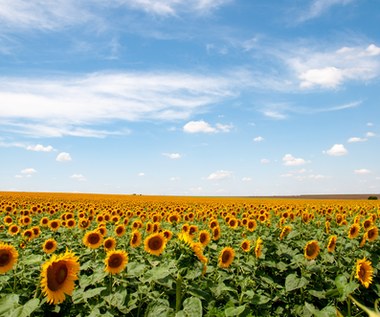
202, 97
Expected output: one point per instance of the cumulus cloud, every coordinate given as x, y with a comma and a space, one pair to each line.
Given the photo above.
337, 150
173, 156
28, 171
63, 157
290, 160
370, 134
258, 139
362, 171
78, 177
330, 69
202, 126
356, 139
40, 148
219, 175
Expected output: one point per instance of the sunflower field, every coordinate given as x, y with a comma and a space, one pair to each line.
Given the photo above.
121, 255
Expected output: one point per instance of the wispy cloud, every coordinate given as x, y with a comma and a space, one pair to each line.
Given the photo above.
173, 156
362, 171
329, 69
78, 177
219, 175
319, 7
356, 139
75, 105
258, 139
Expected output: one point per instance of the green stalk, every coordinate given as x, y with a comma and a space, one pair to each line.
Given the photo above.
178, 294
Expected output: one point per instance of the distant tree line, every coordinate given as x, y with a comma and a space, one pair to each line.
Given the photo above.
372, 198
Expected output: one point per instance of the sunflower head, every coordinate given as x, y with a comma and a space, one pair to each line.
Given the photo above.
204, 237
135, 239
353, 231
8, 257
49, 246
331, 244
226, 257
58, 276
246, 245
116, 261
155, 243
364, 272
93, 239
109, 244
259, 247
311, 250
120, 230
372, 233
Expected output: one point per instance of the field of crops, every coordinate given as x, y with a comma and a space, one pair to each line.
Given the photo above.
109, 255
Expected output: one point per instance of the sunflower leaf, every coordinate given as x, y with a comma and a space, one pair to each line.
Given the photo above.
8, 303
292, 282
27, 309
234, 311
192, 307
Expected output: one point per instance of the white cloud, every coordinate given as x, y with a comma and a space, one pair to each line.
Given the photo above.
370, 134
369, 124
219, 175
264, 161
28, 171
337, 150
356, 139
141, 174
63, 157
72, 105
258, 139
290, 160
246, 179
78, 177
202, 126
173, 156
362, 171
40, 148
175, 7
331, 68
318, 7
174, 178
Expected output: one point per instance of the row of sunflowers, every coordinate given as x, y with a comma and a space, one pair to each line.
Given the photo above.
92, 255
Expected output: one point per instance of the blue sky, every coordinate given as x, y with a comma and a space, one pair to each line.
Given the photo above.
220, 97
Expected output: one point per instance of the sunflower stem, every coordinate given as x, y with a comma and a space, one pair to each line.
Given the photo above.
178, 295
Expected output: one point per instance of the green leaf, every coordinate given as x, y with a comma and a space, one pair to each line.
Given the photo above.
93, 292
32, 259
192, 307
8, 303
159, 308
135, 269
234, 311
27, 309
292, 282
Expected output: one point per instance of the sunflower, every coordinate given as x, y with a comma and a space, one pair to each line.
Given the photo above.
251, 225
8, 220
28, 234
13, 230
331, 244
167, 234
71, 223
311, 250
204, 237
246, 245
44, 222
49, 246
8, 257
226, 256
155, 243
58, 276
135, 239
216, 233
367, 224
364, 272
84, 223
192, 230
120, 230
327, 226
54, 224
353, 231
259, 247
372, 233
93, 239
109, 244
285, 231
116, 261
